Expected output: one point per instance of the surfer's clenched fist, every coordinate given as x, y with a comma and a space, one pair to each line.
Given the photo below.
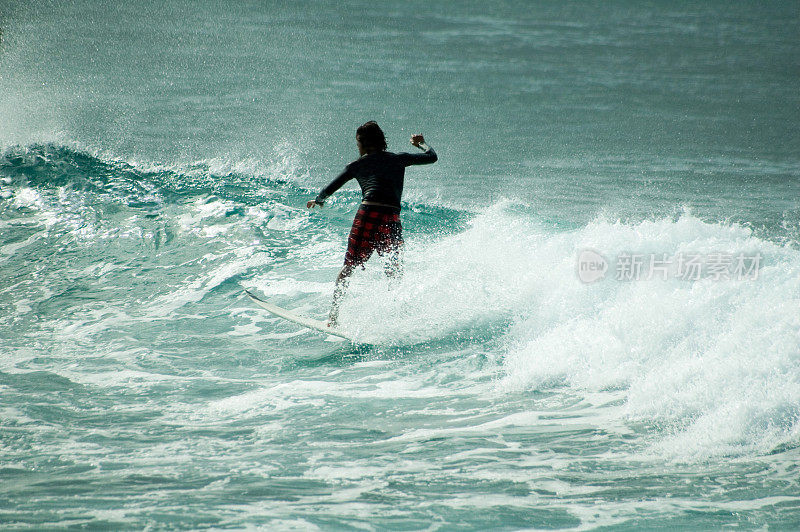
313, 203
416, 140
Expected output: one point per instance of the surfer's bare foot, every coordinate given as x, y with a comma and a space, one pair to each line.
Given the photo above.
333, 320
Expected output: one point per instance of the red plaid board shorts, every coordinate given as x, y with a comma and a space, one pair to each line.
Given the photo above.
375, 228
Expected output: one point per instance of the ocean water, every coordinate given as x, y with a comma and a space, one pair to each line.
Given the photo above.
156, 158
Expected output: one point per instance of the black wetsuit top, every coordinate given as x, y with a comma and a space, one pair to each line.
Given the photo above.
380, 175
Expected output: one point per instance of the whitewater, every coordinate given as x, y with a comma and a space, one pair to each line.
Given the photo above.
154, 162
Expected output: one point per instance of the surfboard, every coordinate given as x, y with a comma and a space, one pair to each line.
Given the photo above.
288, 315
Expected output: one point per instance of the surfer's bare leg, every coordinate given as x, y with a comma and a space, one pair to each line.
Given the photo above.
342, 280
393, 267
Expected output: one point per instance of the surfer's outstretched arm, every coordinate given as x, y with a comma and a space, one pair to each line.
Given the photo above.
332, 187
427, 156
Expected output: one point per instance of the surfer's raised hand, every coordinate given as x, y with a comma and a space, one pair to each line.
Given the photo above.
311, 204
416, 140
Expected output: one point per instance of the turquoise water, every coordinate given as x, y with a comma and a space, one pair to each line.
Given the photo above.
157, 158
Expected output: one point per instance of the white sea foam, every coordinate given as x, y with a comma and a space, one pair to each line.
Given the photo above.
714, 364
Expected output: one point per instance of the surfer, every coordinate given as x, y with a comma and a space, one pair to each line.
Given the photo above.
376, 226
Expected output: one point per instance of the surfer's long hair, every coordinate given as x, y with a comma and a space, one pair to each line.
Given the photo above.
371, 137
